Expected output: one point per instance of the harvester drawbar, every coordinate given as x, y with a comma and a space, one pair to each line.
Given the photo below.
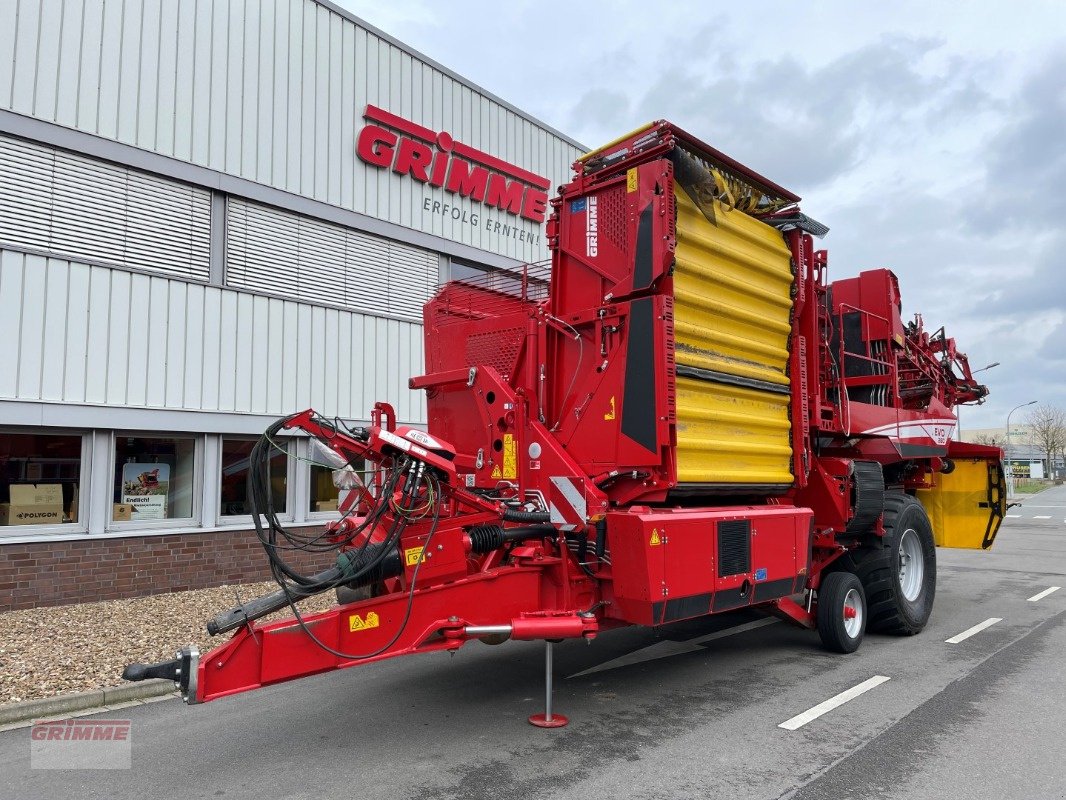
680, 417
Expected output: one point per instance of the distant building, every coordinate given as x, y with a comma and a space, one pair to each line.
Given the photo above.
1028, 459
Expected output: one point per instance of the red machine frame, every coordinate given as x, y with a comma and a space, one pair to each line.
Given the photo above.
512, 363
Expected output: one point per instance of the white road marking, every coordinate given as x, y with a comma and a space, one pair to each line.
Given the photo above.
1043, 517
800, 720
1013, 516
966, 634
1043, 594
668, 648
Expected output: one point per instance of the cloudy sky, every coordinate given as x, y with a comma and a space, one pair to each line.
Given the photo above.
930, 137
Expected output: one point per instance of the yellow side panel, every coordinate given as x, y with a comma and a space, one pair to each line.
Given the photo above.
964, 509
732, 303
729, 434
732, 293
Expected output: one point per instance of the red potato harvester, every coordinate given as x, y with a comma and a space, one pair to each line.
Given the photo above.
681, 416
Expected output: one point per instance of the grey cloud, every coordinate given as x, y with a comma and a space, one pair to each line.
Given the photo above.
1026, 161
803, 126
1054, 348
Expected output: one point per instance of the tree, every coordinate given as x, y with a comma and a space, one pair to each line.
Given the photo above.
1047, 429
989, 439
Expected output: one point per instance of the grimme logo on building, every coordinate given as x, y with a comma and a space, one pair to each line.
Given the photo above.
437, 159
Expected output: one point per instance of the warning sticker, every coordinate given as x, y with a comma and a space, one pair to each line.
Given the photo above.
497, 472
413, 555
510, 456
631, 180
357, 623
655, 539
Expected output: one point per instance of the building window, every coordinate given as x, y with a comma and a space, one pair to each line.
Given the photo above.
325, 494
39, 478
154, 477
234, 499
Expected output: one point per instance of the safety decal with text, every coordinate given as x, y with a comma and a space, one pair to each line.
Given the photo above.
510, 456
655, 539
412, 555
357, 623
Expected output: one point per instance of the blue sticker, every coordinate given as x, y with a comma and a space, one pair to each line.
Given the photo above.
578, 205
760, 574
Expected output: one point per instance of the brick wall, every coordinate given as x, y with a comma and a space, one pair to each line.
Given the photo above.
56, 573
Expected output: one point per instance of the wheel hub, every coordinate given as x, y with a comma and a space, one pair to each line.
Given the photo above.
911, 565
852, 613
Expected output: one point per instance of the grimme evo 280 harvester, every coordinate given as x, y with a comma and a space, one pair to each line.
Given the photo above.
681, 417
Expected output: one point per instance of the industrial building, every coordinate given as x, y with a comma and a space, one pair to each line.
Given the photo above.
213, 214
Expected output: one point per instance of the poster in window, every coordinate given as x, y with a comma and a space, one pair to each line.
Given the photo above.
145, 487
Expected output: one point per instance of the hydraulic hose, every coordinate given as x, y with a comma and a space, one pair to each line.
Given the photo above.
486, 538
514, 515
354, 568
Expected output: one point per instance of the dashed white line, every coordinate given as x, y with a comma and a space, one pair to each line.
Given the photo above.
1043, 517
800, 720
1043, 594
1014, 516
966, 634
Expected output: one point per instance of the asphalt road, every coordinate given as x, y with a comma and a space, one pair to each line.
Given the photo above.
684, 714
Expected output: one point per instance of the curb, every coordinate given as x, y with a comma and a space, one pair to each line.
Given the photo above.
80, 701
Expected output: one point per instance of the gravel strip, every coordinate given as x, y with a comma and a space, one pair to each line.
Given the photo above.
49, 651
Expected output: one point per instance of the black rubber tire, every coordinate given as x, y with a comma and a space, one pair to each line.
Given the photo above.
878, 569
831, 595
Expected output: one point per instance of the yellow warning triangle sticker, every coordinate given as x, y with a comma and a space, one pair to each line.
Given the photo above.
496, 473
655, 540
357, 623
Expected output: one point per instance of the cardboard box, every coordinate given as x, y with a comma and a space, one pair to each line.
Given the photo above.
121, 512
326, 505
33, 504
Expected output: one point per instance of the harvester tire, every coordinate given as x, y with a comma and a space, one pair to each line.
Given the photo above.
899, 577
842, 612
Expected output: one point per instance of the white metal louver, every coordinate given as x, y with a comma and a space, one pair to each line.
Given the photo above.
281, 253
78, 207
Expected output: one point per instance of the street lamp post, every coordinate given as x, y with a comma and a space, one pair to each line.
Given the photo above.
1010, 462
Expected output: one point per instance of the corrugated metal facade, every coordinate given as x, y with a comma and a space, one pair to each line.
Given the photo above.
90, 334
190, 246
80, 207
268, 90
277, 252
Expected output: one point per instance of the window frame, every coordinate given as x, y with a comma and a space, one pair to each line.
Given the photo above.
81, 525
244, 521
196, 520
305, 497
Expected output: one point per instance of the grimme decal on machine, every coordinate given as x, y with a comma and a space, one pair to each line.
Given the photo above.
437, 160
145, 487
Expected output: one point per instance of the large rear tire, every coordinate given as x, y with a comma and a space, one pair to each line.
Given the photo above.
841, 612
899, 577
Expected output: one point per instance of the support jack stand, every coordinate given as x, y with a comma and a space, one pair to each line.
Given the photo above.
547, 719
